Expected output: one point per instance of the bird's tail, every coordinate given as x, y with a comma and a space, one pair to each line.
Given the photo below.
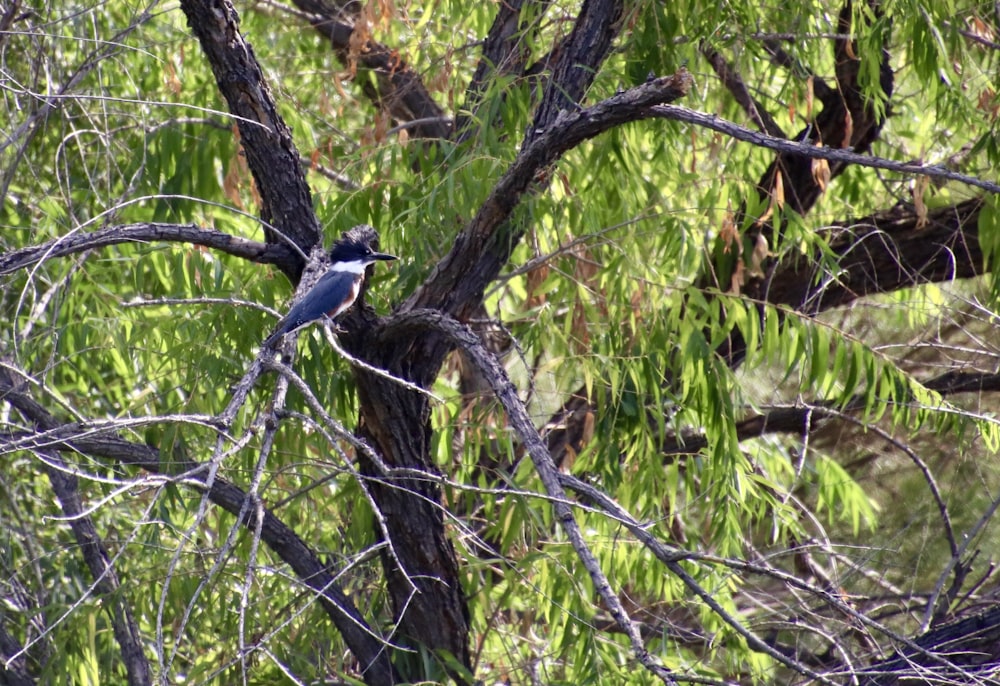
275, 338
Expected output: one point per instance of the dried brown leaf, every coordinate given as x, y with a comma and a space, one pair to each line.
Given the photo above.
760, 253
821, 173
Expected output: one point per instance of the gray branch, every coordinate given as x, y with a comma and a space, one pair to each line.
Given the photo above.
464, 338
710, 121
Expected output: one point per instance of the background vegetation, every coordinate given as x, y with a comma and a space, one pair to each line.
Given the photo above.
688, 371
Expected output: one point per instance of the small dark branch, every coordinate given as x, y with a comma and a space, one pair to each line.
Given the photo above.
480, 250
981, 40
464, 338
345, 182
277, 254
98, 560
939, 604
734, 83
810, 151
501, 47
366, 644
266, 139
955, 381
10, 13
399, 90
575, 67
13, 670
772, 44
503, 53
848, 119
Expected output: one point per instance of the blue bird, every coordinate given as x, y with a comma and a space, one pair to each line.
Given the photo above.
336, 290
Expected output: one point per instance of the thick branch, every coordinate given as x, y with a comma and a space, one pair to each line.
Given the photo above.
366, 644
971, 645
480, 250
503, 53
575, 67
880, 253
13, 670
277, 254
266, 139
849, 118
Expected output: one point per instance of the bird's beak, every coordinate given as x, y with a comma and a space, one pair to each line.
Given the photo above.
383, 256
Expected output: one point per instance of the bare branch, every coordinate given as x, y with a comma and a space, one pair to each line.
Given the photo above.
43, 104
146, 232
710, 121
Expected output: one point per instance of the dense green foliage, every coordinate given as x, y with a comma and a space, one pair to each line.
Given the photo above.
629, 278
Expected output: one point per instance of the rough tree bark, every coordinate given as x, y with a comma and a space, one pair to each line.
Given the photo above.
286, 201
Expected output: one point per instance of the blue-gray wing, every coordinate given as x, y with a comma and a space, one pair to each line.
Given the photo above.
332, 294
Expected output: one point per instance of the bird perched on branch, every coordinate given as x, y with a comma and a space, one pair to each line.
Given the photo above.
337, 289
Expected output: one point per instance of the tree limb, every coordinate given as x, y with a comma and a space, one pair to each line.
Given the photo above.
13, 670
575, 66
734, 83
279, 255
972, 646
502, 54
266, 139
479, 252
801, 420
812, 151
398, 89
880, 253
